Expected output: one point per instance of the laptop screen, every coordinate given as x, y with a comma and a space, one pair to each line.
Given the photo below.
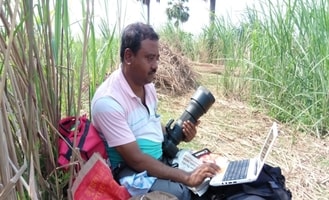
268, 142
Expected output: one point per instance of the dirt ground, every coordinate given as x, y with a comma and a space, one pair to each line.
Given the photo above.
236, 130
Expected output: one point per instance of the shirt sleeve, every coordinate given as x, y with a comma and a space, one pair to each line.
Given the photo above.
108, 117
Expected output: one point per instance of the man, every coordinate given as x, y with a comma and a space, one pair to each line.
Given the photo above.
124, 109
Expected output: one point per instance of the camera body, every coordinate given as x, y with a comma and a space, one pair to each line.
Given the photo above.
200, 102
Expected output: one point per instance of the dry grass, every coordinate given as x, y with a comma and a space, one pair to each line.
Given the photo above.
174, 75
236, 130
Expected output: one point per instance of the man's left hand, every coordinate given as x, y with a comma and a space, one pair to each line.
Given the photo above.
189, 130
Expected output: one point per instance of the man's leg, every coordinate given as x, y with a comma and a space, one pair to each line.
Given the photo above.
177, 189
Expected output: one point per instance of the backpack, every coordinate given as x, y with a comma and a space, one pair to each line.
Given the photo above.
270, 185
88, 140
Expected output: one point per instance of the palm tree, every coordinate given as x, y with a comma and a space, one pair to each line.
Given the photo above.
211, 13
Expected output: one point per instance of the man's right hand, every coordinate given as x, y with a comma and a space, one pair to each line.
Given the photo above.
202, 172
138, 161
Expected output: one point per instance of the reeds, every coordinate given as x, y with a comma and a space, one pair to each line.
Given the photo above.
43, 74
281, 51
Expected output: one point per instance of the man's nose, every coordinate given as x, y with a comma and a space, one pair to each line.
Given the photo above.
155, 64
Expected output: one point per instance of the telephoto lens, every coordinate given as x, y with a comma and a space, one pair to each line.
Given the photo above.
199, 104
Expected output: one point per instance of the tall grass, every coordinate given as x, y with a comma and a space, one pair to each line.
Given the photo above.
281, 50
44, 75
294, 62
179, 40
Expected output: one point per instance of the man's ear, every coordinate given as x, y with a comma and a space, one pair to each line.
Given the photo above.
128, 56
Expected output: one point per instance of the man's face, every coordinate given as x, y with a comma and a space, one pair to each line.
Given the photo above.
145, 63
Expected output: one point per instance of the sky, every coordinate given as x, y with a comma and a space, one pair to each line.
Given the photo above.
132, 11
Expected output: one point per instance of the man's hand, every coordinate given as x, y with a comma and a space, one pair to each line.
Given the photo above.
202, 172
189, 130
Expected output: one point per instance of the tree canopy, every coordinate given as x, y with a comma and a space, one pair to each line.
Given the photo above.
178, 11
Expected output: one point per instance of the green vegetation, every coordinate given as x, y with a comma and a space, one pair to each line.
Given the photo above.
281, 55
45, 74
177, 11
280, 52
289, 61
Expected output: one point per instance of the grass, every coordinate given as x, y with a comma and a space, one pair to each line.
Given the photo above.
290, 66
280, 53
234, 129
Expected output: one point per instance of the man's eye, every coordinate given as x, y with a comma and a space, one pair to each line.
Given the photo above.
150, 58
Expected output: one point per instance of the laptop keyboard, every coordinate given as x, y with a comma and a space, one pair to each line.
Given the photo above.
236, 170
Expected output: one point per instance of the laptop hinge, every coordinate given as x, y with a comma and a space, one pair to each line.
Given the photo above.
256, 167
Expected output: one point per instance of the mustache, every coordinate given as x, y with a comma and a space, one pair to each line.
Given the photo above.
153, 71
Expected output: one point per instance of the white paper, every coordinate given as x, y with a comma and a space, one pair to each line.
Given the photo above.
187, 162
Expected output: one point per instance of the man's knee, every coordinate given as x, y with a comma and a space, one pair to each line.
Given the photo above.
174, 188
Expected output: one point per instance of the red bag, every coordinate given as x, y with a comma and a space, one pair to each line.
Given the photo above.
95, 182
88, 140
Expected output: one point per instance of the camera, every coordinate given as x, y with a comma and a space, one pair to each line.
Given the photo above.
199, 104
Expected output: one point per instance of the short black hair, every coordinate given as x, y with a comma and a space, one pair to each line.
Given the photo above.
133, 35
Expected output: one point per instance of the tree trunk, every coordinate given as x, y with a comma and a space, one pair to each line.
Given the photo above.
148, 12
147, 3
212, 11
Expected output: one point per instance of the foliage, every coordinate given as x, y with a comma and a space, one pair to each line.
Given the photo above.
275, 57
177, 11
181, 41
45, 74
282, 59
295, 63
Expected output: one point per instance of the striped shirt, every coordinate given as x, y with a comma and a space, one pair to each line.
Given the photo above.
122, 118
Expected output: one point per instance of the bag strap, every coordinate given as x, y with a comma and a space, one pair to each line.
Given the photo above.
277, 171
84, 136
68, 153
66, 124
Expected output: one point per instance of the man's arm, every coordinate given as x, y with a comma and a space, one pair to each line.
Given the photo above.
141, 162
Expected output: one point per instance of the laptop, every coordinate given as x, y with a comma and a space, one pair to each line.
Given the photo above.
246, 170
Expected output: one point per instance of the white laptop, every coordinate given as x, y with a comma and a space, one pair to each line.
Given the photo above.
249, 168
